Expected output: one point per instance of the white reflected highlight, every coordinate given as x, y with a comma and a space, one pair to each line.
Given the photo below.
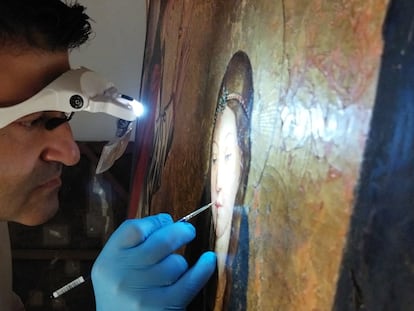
138, 108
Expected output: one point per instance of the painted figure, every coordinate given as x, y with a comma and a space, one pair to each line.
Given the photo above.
230, 161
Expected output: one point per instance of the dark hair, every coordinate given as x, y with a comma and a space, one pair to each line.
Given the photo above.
49, 25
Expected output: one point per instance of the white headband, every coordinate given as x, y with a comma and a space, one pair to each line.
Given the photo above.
76, 90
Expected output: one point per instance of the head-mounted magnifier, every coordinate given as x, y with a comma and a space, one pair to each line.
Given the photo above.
82, 90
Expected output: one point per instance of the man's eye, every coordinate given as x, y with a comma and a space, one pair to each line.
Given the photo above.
47, 120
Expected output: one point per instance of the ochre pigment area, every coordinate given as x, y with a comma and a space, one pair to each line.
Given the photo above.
315, 66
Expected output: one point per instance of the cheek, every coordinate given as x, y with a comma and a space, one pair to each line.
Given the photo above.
234, 172
19, 151
213, 183
18, 171
16, 164
15, 172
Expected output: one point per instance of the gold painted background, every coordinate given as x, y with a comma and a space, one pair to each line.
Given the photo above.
315, 66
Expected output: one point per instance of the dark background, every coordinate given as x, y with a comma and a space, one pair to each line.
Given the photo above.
378, 264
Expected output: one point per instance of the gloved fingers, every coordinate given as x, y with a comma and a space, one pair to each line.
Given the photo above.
163, 274
187, 287
133, 232
162, 243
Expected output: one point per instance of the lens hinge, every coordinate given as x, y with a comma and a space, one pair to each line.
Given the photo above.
76, 101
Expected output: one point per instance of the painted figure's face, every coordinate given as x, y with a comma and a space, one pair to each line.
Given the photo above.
225, 170
31, 157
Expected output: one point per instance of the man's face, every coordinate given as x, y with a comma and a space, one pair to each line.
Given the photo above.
31, 157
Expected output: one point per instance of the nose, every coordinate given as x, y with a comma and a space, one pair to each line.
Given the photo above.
60, 146
219, 180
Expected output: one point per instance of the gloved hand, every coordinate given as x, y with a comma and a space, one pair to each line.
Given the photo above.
137, 269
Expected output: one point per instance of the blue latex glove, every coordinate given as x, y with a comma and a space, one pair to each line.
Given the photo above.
137, 269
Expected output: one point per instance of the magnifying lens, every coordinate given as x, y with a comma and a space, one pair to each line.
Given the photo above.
83, 90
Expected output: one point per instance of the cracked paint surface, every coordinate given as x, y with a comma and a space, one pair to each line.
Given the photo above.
315, 66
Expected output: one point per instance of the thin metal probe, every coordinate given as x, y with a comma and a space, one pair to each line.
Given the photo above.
196, 212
